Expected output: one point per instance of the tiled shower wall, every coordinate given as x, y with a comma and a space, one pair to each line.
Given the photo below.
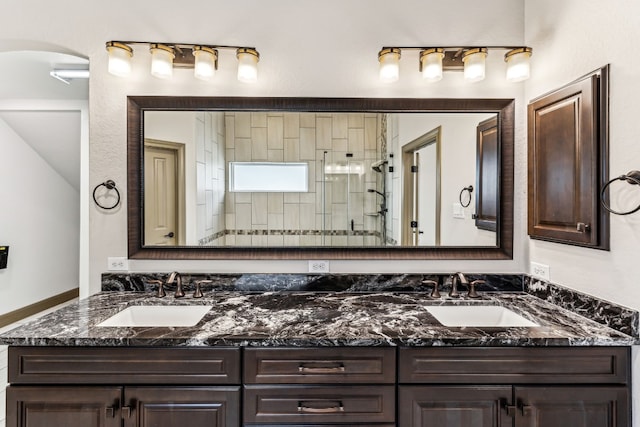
337, 209
210, 179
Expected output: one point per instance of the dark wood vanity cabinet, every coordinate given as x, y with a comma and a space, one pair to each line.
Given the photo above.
327, 386
336, 386
123, 387
519, 387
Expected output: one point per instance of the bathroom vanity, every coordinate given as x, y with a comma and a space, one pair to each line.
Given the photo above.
317, 358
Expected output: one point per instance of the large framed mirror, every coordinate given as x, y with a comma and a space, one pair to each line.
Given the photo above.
302, 178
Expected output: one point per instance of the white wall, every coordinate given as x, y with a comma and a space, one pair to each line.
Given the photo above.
39, 221
570, 39
326, 48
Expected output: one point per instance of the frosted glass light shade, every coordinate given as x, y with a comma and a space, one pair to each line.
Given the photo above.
119, 59
247, 65
389, 65
431, 64
518, 64
205, 63
474, 64
161, 61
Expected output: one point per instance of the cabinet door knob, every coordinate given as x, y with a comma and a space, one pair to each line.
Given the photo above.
110, 412
583, 228
511, 410
126, 412
526, 410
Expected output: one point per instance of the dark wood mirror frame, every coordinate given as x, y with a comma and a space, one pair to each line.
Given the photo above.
137, 105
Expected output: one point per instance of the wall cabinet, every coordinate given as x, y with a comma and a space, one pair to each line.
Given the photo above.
568, 163
329, 387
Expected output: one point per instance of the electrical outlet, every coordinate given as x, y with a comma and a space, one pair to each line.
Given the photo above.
117, 263
318, 266
540, 270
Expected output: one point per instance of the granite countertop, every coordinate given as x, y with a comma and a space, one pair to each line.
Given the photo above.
313, 319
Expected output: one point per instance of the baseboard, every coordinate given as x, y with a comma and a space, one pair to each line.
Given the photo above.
30, 310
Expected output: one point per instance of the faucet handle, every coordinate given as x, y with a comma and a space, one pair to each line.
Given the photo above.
435, 293
198, 291
161, 293
472, 288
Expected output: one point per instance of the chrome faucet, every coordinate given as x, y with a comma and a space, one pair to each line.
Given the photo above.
455, 278
178, 279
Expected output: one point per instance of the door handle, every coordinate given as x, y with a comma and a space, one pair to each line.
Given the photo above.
170, 235
581, 227
110, 412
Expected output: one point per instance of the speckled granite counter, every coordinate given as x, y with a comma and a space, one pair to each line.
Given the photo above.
313, 319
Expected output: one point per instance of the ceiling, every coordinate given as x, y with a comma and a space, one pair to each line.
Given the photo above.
54, 133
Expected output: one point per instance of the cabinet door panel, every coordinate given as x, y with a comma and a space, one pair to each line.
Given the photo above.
63, 406
567, 160
183, 406
488, 175
572, 407
457, 406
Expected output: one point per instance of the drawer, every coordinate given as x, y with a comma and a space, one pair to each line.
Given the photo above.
477, 365
308, 405
123, 365
320, 365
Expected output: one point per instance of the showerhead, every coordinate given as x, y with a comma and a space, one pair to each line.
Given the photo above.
377, 166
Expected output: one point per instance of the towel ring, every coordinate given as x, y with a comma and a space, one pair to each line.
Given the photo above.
109, 185
469, 189
632, 178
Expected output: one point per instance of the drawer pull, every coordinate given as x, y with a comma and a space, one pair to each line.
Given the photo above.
339, 369
302, 407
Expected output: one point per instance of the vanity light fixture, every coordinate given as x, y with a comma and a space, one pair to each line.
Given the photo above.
206, 62
469, 59
120, 56
431, 64
167, 56
161, 60
247, 64
389, 59
474, 64
518, 64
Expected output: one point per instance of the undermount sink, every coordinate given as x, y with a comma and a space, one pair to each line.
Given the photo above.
480, 316
158, 315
